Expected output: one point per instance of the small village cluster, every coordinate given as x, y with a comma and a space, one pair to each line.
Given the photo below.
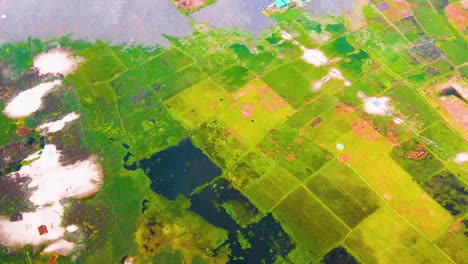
284, 5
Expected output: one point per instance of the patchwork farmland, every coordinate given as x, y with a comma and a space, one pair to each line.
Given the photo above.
310, 144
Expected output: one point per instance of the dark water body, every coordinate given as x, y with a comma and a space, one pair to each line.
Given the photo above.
179, 170
452, 92
339, 255
208, 203
268, 240
266, 237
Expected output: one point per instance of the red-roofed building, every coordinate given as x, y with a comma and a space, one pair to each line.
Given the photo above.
42, 229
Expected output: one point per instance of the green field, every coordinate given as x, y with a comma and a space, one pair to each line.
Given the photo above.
345, 193
311, 223
385, 237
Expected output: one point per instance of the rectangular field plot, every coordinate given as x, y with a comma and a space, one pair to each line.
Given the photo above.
272, 187
410, 28
100, 63
434, 24
373, 84
447, 143
206, 99
297, 154
241, 51
455, 49
234, 78
375, 21
130, 82
405, 196
106, 102
453, 243
290, 84
216, 62
429, 71
105, 98
243, 175
416, 160
449, 191
311, 224
135, 55
247, 129
278, 183
394, 10
437, 26
309, 112
393, 59
384, 237
344, 192
263, 61
392, 39
387, 127
355, 65
100, 132
173, 84
150, 119
338, 47
287, 50
327, 128
152, 130
142, 99
261, 198
311, 73
166, 64
259, 102
184, 112
99, 116
411, 105
361, 144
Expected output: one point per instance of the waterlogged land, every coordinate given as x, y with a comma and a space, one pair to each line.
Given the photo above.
310, 144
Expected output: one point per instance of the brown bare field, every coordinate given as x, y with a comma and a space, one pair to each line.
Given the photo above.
457, 15
189, 4
341, 108
393, 138
454, 107
363, 129
399, 9
456, 227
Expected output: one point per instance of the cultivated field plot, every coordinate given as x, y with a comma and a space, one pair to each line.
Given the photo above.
308, 144
406, 197
312, 224
344, 192
386, 238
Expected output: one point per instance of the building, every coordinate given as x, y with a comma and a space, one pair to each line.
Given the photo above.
281, 4
42, 230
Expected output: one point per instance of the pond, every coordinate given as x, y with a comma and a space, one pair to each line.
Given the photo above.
179, 170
